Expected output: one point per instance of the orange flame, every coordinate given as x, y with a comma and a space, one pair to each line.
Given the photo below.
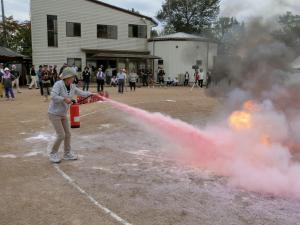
240, 120
266, 140
250, 106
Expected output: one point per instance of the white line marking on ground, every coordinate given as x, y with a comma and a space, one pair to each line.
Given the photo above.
103, 208
8, 156
89, 114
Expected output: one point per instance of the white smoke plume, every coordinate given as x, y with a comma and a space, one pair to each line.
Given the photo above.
267, 9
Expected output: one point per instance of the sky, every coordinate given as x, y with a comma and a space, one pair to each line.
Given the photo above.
241, 9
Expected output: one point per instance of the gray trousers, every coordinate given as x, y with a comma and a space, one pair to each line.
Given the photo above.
62, 129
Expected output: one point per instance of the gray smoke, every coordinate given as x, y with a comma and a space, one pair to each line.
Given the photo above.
259, 69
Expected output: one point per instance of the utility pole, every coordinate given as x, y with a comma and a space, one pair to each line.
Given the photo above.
4, 25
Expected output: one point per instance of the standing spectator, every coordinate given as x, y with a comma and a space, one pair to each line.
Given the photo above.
28, 78
50, 73
16, 74
7, 81
197, 78
62, 68
86, 76
126, 81
161, 78
33, 78
186, 78
39, 78
108, 75
208, 79
1, 79
201, 78
100, 80
151, 79
132, 80
75, 68
144, 78
121, 80
46, 80
55, 74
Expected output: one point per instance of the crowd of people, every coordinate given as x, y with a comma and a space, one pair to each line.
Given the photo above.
44, 77
9, 77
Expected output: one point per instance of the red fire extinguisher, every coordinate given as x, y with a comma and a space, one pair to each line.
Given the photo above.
75, 115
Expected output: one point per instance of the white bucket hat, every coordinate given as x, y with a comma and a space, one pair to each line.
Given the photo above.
67, 73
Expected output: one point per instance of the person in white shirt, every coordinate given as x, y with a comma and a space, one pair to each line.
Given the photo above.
201, 78
121, 80
100, 80
75, 68
132, 80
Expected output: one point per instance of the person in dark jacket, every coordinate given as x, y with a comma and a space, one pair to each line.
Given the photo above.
39, 78
86, 76
33, 78
16, 74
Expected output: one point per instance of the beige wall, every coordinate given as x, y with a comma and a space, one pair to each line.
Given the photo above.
87, 13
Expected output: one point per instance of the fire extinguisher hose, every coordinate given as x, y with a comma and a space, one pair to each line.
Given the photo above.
82, 100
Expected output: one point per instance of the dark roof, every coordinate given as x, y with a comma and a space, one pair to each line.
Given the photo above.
124, 10
180, 36
6, 52
102, 53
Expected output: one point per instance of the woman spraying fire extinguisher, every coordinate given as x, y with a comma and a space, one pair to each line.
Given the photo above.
62, 94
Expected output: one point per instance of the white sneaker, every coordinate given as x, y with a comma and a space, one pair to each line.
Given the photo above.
70, 156
54, 157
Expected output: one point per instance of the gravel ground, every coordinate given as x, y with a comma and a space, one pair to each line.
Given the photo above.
122, 167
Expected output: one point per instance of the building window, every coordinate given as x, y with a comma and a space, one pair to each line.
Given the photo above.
52, 30
73, 29
199, 62
76, 62
137, 31
107, 31
160, 62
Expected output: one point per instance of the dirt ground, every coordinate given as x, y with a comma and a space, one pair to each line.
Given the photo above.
122, 175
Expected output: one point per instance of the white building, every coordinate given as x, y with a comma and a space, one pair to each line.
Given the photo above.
296, 64
89, 32
179, 52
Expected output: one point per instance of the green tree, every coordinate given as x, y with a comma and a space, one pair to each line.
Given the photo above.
228, 31
190, 16
223, 26
18, 35
289, 31
154, 33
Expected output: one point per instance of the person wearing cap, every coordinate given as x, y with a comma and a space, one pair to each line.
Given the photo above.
62, 94
7, 81
16, 74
